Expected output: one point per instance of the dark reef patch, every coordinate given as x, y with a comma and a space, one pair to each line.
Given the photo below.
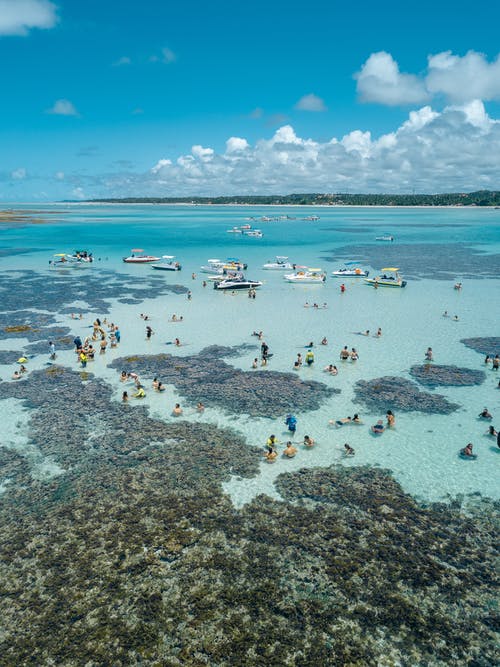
382, 393
433, 375
437, 261
55, 289
484, 345
8, 356
206, 377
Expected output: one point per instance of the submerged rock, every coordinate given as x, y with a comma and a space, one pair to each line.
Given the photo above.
395, 392
206, 377
432, 375
484, 345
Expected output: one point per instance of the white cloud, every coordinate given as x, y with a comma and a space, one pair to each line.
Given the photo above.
452, 150
59, 175
63, 108
124, 60
18, 17
78, 193
380, 80
464, 78
18, 174
459, 79
236, 144
310, 102
167, 56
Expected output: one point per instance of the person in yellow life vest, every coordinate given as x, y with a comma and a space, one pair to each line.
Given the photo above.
83, 359
272, 441
309, 357
140, 393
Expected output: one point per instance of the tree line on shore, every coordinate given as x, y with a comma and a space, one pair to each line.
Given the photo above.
478, 198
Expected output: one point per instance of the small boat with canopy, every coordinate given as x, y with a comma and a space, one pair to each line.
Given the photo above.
389, 277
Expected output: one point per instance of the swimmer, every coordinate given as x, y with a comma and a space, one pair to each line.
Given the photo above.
308, 442
324, 341
378, 428
340, 422
160, 387
16, 375
296, 366
271, 455
299, 359
487, 359
200, 407
272, 441
177, 342
125, 396
467, 451
455, 318
329, 368
379, 332
445, 314
485, 414
495, 363
140, 393
177, 411
344, 353
155, 383
356, 419
349, 451
173, 318
354, 354
391, 419
306, 305
255, 363
289, 450
429, 355
123, 376
23, 369
149, 332
491, 431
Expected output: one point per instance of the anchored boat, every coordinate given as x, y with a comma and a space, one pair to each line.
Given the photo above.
389, 278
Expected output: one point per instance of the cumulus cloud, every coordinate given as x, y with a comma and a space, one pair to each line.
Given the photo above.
18, 17
18, 174
63, 108
380, 80
459, 79
310, 102
452, 150
464, 78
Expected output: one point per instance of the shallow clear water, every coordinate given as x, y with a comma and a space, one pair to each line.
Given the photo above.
422, 449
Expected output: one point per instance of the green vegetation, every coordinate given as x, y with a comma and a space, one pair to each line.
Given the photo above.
479, 198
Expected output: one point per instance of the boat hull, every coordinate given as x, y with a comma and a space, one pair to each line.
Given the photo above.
237, 285
166, 267
385, 283
350, 274
140, 260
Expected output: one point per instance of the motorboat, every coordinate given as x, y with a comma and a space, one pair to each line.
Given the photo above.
213, 266
384, 237
306, 276
82, 256
140, 258
279, 264
256, 233
311, 218
168, 264
236, 281
350, 271
390, 277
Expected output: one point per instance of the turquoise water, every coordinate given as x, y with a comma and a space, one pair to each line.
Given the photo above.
422, 449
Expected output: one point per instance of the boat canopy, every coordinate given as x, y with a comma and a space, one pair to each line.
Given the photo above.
168, 256
390, 269
318, 270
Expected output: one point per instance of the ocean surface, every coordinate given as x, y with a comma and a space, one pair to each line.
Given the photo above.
433, 248
133, 537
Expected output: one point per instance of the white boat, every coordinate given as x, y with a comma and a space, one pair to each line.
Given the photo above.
306, 276
168, 264
389, 278
257, 233
212, 266
236, 282
140, 258
384, 237
311, 218
279, 264
350, 271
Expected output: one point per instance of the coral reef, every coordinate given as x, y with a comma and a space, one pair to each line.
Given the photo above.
395, 392
434, 375
436, 261
206, 377
484, 345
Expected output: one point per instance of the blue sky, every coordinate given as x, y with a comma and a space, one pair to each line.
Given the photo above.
162, 98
